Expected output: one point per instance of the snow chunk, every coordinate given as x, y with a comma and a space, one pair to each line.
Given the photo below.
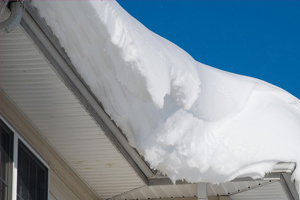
189, 120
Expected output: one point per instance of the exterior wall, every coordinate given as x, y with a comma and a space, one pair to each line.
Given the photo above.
63, 182
58, 189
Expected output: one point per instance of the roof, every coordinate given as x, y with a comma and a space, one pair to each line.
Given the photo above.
40, 80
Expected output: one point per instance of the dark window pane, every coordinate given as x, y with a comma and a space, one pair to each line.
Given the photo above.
6, 138
32, 176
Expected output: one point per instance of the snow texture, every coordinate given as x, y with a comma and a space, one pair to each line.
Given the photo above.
189, 120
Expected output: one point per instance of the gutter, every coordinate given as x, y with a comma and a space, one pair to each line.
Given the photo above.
14, 19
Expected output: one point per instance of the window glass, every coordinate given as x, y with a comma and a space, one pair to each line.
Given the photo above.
32, 176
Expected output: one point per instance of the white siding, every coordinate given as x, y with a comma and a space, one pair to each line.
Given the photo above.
59, 190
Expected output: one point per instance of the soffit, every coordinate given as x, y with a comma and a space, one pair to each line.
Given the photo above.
30, 82
240, 190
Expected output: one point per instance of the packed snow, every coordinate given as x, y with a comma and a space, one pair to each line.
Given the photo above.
189, 120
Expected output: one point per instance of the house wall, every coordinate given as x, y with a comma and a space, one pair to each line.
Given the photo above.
63, 183
58, 189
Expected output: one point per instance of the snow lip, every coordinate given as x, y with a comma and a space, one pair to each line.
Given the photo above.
189, 120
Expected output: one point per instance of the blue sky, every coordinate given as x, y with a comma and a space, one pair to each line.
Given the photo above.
260, 39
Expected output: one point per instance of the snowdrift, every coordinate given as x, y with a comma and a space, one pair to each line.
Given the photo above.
188, 120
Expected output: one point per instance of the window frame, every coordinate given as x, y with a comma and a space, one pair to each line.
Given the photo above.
14, 176
8, 176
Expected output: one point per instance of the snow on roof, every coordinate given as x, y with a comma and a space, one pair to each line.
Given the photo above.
188, 120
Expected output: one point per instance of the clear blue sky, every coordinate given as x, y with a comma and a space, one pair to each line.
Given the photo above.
260, 39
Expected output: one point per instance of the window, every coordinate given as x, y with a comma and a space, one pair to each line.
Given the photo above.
27, 181
32, 176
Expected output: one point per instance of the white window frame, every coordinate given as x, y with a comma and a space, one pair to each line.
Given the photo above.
16, 138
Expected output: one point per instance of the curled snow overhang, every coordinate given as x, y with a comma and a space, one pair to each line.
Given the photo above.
118, 58
40, 33
33, 22
15, 17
